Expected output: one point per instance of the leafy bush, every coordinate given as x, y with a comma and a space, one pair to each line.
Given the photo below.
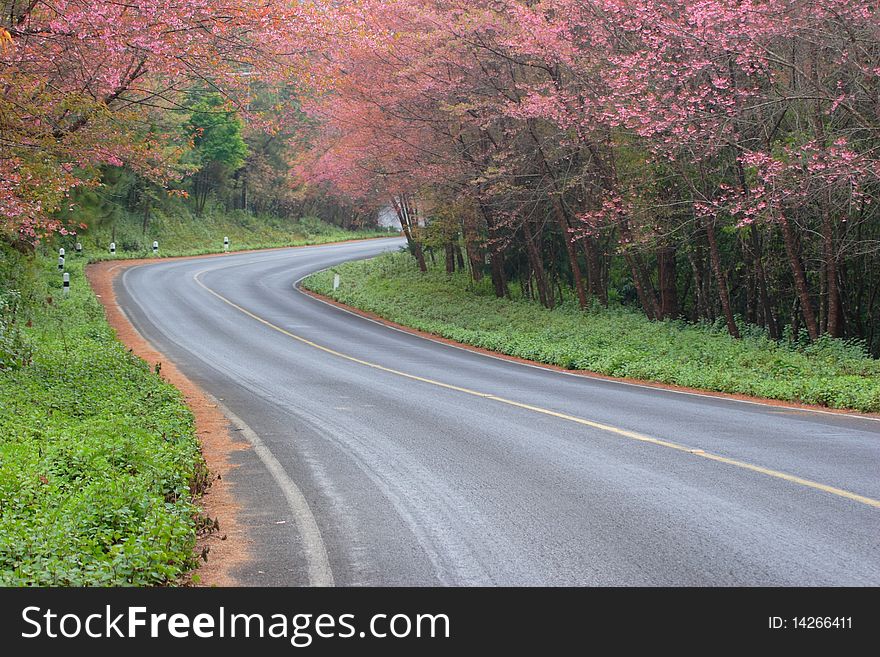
615, 341
15, 349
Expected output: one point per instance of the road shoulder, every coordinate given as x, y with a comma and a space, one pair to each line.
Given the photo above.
228, 548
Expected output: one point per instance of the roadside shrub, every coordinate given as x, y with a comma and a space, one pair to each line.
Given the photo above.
15, 349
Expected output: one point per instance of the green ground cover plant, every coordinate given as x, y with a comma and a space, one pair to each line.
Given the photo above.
99, 462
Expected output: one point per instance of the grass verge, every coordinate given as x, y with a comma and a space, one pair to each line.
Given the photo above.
99, 462
612, 341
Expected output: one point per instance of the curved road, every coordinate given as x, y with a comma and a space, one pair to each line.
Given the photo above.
383, 458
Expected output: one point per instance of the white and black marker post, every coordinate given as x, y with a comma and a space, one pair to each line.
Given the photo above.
155, 247
226, 244
79, 248
66, 279
61, 251
61, 263
335, 282
112, 247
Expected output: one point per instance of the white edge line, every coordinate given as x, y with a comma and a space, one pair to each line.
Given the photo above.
318, 563
580, 374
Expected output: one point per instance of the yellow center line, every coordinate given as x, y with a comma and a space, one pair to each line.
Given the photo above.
631, 435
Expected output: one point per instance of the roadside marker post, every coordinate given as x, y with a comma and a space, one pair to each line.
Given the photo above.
61, 251
79, 248
155, 248
61, 262
226, 244
112, 247
66, 279
335, 282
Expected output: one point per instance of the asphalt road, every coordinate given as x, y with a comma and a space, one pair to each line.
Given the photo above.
383, 458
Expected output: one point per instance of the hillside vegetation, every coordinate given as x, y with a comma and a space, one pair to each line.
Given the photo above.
180, 231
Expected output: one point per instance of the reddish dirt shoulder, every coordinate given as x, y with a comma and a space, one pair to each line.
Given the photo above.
585, 373
228, 547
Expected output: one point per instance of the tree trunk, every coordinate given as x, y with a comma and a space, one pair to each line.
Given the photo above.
496, 255
561, 219
475, 259
403, 214
700, 303
419, 255
644, 290
721, 279
666, 274
545, 294
595, 281
800, 278
471, 246
832, 319
459, 257
772, 324
576, 274
450, 257
751, 283
835, 328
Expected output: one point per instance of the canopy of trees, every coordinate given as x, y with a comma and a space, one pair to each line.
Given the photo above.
86, 83
218, 144
708, 160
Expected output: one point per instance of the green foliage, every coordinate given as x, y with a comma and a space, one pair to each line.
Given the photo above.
133, 213
98, 455
15, 348
217, 133
616, 341
180, 232
219, 149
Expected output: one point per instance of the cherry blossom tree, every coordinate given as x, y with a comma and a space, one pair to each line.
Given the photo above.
84, 83
714, 160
